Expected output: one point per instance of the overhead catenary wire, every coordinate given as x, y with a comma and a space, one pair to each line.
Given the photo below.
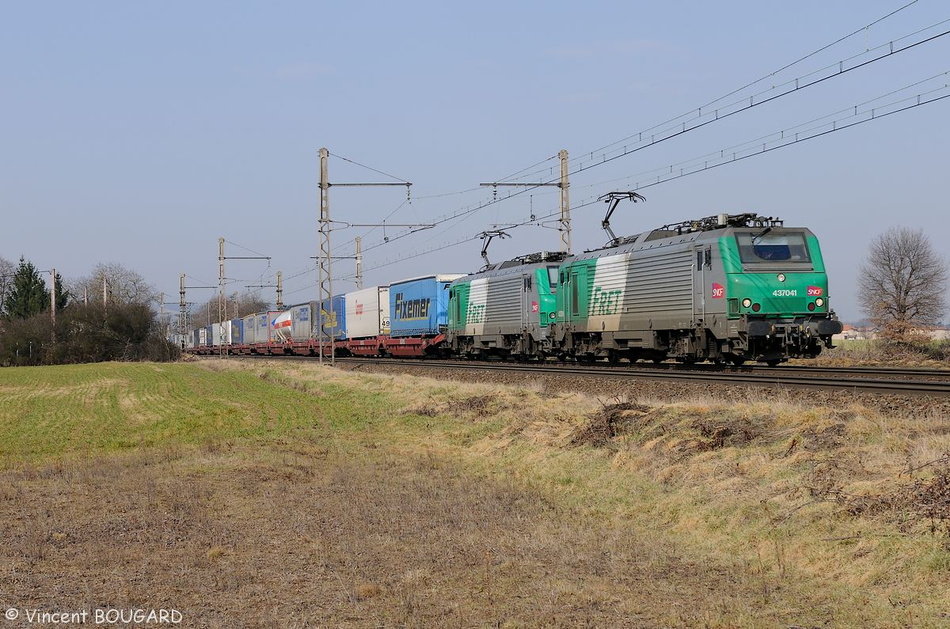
521, 173
783, 133
346, 244
416, 255
909, 103
679, 124
378, 172
660, 133
258, 253
837, 121
763, 78
786, 137
799, 83
200, 281
442, 195
463, 213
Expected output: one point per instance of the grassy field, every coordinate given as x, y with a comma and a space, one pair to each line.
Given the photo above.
282, 494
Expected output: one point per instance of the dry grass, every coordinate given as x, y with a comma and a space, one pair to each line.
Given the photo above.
767, 479
414, 502
863, 352
296, 535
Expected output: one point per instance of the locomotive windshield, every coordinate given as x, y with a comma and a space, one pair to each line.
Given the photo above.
770, 247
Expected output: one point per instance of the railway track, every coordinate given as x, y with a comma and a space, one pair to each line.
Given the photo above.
858, 380
811, 371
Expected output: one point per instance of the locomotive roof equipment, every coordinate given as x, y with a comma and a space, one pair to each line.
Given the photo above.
487, 237
722, 221
613, 199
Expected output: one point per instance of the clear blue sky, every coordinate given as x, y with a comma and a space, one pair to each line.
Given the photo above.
139, 133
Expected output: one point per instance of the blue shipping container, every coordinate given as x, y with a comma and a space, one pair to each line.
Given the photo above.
248, 327
335, 319
237, 331
420, 306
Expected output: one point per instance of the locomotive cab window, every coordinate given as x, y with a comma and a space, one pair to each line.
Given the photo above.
771, 247
552, 277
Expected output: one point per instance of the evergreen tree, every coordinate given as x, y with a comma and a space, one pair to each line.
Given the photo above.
63, 296
28, 295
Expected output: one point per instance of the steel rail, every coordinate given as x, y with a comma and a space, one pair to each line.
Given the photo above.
773, 377
769, 377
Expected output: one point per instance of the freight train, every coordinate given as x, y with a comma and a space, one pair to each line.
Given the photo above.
725, 288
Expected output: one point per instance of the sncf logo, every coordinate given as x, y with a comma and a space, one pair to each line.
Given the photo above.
815, 291
718, 291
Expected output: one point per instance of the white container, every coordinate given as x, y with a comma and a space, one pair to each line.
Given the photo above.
301, 317
367, 312
220, 334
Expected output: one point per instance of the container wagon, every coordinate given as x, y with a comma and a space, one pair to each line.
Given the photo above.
418, 314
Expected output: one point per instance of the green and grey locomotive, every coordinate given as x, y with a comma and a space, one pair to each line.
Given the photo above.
722, 288
505, 309
726, 288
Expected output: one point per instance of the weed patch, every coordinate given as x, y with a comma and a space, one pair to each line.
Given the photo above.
607, 423
923, 505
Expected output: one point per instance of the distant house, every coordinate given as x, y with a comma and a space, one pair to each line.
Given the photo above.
852, 332
940, 333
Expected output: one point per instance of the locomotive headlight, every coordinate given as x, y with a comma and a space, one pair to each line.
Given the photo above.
781, 277
746, 302
819, 302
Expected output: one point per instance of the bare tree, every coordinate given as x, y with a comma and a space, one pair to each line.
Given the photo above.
122, 285
903, 283
234, 307
7, 270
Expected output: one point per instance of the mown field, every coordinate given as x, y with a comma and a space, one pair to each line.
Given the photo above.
272, 493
